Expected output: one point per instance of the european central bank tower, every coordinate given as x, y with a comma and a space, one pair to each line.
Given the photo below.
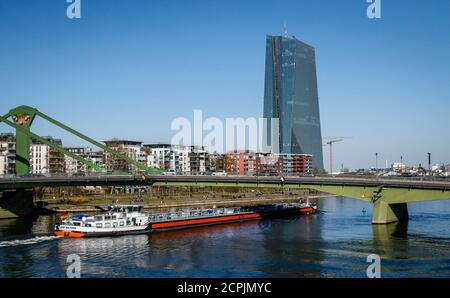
290, 94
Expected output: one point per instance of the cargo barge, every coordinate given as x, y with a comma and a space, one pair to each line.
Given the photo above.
128, 219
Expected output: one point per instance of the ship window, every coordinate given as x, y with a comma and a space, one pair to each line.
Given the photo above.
121, 223
115, 224
99, 225
107, 225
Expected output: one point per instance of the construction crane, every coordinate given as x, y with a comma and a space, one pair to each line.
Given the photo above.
331, 141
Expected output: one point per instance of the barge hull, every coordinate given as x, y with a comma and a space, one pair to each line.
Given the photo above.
216, 220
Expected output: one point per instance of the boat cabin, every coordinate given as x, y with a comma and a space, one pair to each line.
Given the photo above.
124, 208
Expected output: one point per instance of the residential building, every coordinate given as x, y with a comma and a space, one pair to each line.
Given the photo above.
7, 154
296, 164
291, 95
268, 164
74, 166
190, 160
218, 162
44, 159
250, 163
132, 149
241, 162
159, 156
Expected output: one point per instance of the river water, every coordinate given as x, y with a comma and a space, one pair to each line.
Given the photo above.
332, 243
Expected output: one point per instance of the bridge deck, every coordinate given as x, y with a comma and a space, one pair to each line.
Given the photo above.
32, 182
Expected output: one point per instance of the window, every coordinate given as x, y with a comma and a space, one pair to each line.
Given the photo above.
99, 225
107, 225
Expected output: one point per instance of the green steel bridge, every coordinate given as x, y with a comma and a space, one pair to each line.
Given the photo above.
388, 196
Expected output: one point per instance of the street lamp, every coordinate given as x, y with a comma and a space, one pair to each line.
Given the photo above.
429, 162
376, 162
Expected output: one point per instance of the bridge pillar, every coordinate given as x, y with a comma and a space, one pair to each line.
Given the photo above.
24, 117
385, 213
17, 203
22, 153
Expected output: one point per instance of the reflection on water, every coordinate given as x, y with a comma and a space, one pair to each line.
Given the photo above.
333, 243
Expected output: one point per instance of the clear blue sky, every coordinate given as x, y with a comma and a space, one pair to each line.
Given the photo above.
127, 68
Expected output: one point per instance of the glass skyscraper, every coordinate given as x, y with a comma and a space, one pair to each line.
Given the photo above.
291, 95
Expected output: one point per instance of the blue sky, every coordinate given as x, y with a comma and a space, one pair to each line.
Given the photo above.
126, 69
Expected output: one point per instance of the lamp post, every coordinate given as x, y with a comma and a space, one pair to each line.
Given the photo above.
429, 162
376, 162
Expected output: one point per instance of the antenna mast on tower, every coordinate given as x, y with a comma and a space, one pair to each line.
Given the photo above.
285, 30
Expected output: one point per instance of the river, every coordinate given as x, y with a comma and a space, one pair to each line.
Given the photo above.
332, 243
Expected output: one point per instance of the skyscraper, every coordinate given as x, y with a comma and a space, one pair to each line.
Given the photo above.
291, 95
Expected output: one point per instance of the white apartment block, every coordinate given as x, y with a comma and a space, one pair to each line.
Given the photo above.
7, 154
44, 159
39, 158
3, 165
184, 160
190, 160
159, 156
181, 164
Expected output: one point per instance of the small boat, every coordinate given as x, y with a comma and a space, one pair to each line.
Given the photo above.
128, 219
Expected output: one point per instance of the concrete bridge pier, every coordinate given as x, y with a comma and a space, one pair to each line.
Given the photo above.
385, 213
16, 203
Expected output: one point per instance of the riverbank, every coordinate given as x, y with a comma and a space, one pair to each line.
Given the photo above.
83, 200
179, 204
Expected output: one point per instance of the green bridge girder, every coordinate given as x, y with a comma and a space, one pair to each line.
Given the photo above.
23, 117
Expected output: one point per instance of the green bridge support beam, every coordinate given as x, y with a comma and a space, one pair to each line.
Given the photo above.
22, 152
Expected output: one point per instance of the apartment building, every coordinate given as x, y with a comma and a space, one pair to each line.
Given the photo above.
250, 163
7, 154
132, 149
296, 164
241, 162
190, 160
159, 156
44, 159
74, 166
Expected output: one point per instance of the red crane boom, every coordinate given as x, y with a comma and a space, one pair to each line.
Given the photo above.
331, 141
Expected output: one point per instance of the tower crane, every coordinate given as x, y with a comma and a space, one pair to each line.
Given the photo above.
331, 141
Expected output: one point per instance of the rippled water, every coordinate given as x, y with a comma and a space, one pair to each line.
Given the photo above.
334, 243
